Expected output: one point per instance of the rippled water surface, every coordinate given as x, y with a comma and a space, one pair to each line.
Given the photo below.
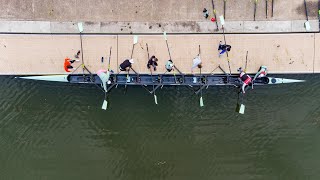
58, 131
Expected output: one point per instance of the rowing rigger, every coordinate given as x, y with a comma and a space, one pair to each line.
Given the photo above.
190, 81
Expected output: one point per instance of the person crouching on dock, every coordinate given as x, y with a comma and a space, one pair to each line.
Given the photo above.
126, 65
67, 64
169, 65
153, 62
245, 78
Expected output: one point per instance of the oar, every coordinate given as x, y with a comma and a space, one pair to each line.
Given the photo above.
255, 9
240, 106
307, 24
201, 99
225, 42
80, 28
245, 69
272, 8
165, 37
266, 9
215, 15
154, 92
224, 8
105, 102
135, 41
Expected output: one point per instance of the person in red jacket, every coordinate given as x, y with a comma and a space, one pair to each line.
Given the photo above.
245, 78
67, 64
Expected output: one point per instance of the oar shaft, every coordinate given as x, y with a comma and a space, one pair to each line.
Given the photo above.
168, 49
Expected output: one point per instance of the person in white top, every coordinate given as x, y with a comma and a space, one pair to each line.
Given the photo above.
196, 63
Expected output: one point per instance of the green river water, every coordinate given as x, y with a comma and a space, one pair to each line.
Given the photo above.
56, 131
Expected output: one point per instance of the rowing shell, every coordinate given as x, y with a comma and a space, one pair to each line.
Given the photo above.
161, 79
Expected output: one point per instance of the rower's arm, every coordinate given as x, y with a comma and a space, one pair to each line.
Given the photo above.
257, 75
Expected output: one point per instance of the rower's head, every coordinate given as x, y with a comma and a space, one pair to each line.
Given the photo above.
240, 69
131, 61
229, 48
200, 65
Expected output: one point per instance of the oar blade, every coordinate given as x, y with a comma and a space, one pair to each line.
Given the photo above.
135, 39
242, 108
155, 99
201, 102
104, 105
307, 26
80, 27
165, 35
221, 20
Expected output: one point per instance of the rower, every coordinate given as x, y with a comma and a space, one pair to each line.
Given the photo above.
196, 63
245, 78
153, 62
261, 73
169, 65
126, 65
223, 48
104, 75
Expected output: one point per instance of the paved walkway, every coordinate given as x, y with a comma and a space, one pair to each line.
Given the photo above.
151, 10
153, 16
44, 54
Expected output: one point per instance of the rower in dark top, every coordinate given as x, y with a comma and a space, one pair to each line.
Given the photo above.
245, 78
126, 65
153, 62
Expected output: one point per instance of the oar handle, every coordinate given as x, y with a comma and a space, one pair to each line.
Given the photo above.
109, 58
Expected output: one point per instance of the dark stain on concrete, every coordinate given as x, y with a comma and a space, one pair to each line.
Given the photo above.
257, 27
312, 9
159, 25
108, 23
136, 12
150, 27
129, 27
189, 25
88, 22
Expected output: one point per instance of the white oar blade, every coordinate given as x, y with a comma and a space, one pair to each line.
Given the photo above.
155, 99
104, 105
201, 102
165, 35
222, 20
307, 26
242, 108
135, 39
80, 27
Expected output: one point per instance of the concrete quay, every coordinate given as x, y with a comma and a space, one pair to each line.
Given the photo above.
44, 54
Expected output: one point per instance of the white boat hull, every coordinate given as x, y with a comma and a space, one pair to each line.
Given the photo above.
283, 80
54, 78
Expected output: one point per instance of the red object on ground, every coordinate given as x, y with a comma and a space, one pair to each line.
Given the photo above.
66, 64
213, 19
